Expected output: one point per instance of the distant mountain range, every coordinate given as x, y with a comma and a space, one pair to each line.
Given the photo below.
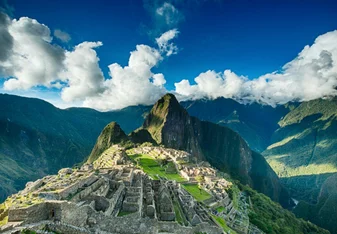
297, 139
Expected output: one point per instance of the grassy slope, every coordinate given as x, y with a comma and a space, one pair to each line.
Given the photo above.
111, 134
223, 224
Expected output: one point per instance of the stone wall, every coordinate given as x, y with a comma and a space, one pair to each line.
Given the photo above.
115, 199
57, 227
133, 224
34, 213
56, 210
88, 190
32, 186
72, 189
75, 215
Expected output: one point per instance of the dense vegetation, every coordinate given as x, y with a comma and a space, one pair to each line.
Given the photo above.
270, 217
324, 212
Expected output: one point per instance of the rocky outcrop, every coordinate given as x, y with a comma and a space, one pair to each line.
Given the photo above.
170, 125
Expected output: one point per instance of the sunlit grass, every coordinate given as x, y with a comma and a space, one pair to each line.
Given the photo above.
198, 193
151, 167
220, 209
223, 224
287, 171
123, 213
288, 139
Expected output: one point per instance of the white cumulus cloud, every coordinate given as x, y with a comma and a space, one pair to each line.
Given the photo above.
312, 74
82, 72
61, 35
131, 85
29, 59
163, 42
169, 13
34, 60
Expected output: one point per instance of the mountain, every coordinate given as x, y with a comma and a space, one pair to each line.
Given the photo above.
297, 139
170, 125
37, 138
304, 148
304, 154
324, 212
254, 122
111, 134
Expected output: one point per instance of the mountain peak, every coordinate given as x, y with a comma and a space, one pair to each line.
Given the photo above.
111, 134
165, 108
168, 102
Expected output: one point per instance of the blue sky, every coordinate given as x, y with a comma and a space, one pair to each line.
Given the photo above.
251, 38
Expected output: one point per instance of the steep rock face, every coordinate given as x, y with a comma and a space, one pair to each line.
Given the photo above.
170, 125
111, 134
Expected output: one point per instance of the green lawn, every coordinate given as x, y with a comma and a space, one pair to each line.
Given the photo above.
123, 213
198, 194
179, 217
223, 224
151, 167
220, 209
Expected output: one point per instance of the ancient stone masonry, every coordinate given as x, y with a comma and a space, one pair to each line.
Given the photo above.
164, 203
112, 195
149, 207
